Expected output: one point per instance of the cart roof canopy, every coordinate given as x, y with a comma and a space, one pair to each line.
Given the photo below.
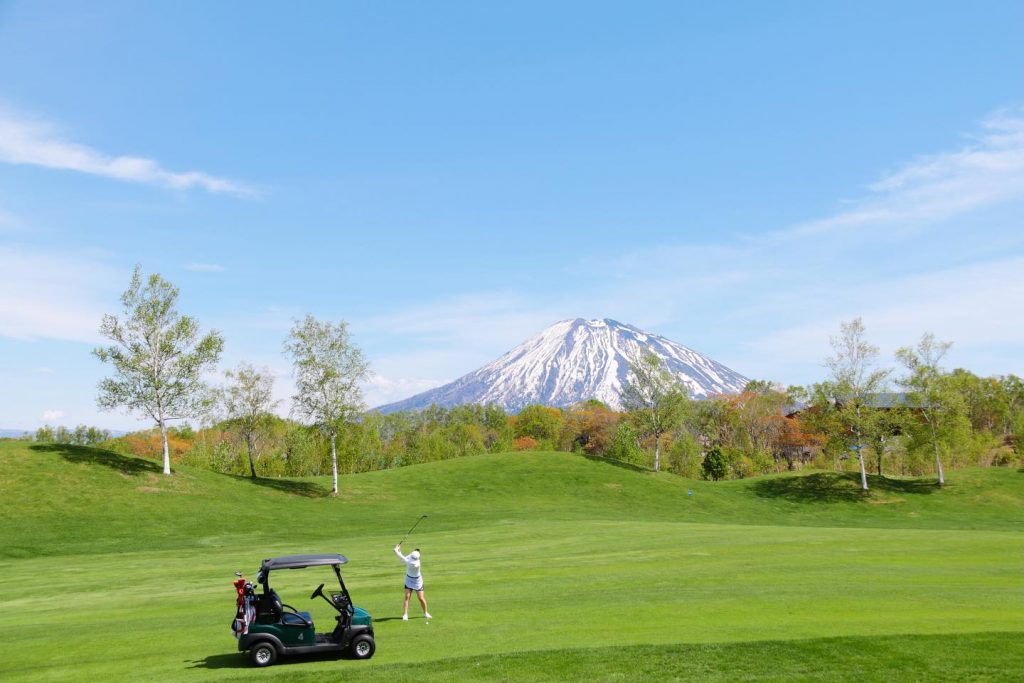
300, 561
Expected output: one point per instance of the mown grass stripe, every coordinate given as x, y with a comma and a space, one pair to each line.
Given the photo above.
537, 569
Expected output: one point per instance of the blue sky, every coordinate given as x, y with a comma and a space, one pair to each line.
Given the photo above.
450, 178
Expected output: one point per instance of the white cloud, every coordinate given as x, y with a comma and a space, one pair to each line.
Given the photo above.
483, 316
987, 171
52, 415
205, 268
967, 305
54, 295
45, 371
380, 390
37, 143
428, 345
910, 256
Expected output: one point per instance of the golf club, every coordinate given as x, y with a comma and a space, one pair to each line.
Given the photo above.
422, 517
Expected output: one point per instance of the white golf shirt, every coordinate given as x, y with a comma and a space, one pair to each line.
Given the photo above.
413, 578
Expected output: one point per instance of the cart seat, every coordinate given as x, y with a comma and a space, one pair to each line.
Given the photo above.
296, 618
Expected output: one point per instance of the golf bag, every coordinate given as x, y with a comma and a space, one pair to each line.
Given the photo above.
246, 607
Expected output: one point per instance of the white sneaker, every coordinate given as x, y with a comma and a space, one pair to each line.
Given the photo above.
426, 615
405, 617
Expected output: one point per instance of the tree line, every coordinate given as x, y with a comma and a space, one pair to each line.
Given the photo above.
864, 416
754, 432
159, 359
732, 436
81, 435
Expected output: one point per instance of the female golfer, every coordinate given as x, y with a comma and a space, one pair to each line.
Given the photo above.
413, 581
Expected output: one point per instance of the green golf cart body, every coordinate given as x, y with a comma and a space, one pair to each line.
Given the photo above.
280, 629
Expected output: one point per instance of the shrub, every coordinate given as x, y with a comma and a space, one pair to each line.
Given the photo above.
524, 443
539, 423
625, 446
714, 465
684, 457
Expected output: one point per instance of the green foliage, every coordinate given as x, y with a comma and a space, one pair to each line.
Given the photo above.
760, 386
855, 380
81, 435
943, 411
715, 466
685, 457
540, 423
761, 462
712, 422
654, 400
888, 438
753, 434
625, 446
588, 428
328, 370
1017, 434
756, 431
306, 452
247, 402
157, 356
466, 439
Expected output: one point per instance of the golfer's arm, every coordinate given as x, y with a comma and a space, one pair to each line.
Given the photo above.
402, 557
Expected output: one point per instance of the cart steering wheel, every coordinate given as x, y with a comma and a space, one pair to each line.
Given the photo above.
318, 592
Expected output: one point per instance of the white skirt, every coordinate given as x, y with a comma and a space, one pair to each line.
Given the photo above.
414, 582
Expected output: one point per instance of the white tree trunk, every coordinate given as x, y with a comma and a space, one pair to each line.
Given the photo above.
657, 452
938, 460
334, 464
248, 449
167, 451
860, 455
863, 472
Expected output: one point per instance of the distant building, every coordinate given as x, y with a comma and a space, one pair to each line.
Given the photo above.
881, 401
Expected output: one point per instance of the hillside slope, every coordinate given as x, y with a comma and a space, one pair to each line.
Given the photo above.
56, 497
539, 567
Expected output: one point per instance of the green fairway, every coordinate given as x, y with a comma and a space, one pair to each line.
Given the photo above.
538, 567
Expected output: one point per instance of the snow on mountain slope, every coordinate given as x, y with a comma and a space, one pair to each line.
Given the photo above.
572, 361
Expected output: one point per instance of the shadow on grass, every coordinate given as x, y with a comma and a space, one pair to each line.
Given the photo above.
235, 660
240, 660
307, 489
835, 487
616, 463
124, 464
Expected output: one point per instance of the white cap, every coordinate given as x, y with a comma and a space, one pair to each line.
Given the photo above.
415, 554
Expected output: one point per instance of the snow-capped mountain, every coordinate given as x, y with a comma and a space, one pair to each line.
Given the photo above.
572, 361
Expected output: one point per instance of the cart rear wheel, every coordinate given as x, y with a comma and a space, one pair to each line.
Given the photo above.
263, 654
363, 647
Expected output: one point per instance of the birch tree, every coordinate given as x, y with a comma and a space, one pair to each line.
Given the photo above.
855, 381
654, 398
158, 357
939, 407
328, 368
248, 404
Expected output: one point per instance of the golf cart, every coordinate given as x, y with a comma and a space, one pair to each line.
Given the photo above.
278, 629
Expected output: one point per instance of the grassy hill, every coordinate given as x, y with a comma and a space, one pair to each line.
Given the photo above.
538, 566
